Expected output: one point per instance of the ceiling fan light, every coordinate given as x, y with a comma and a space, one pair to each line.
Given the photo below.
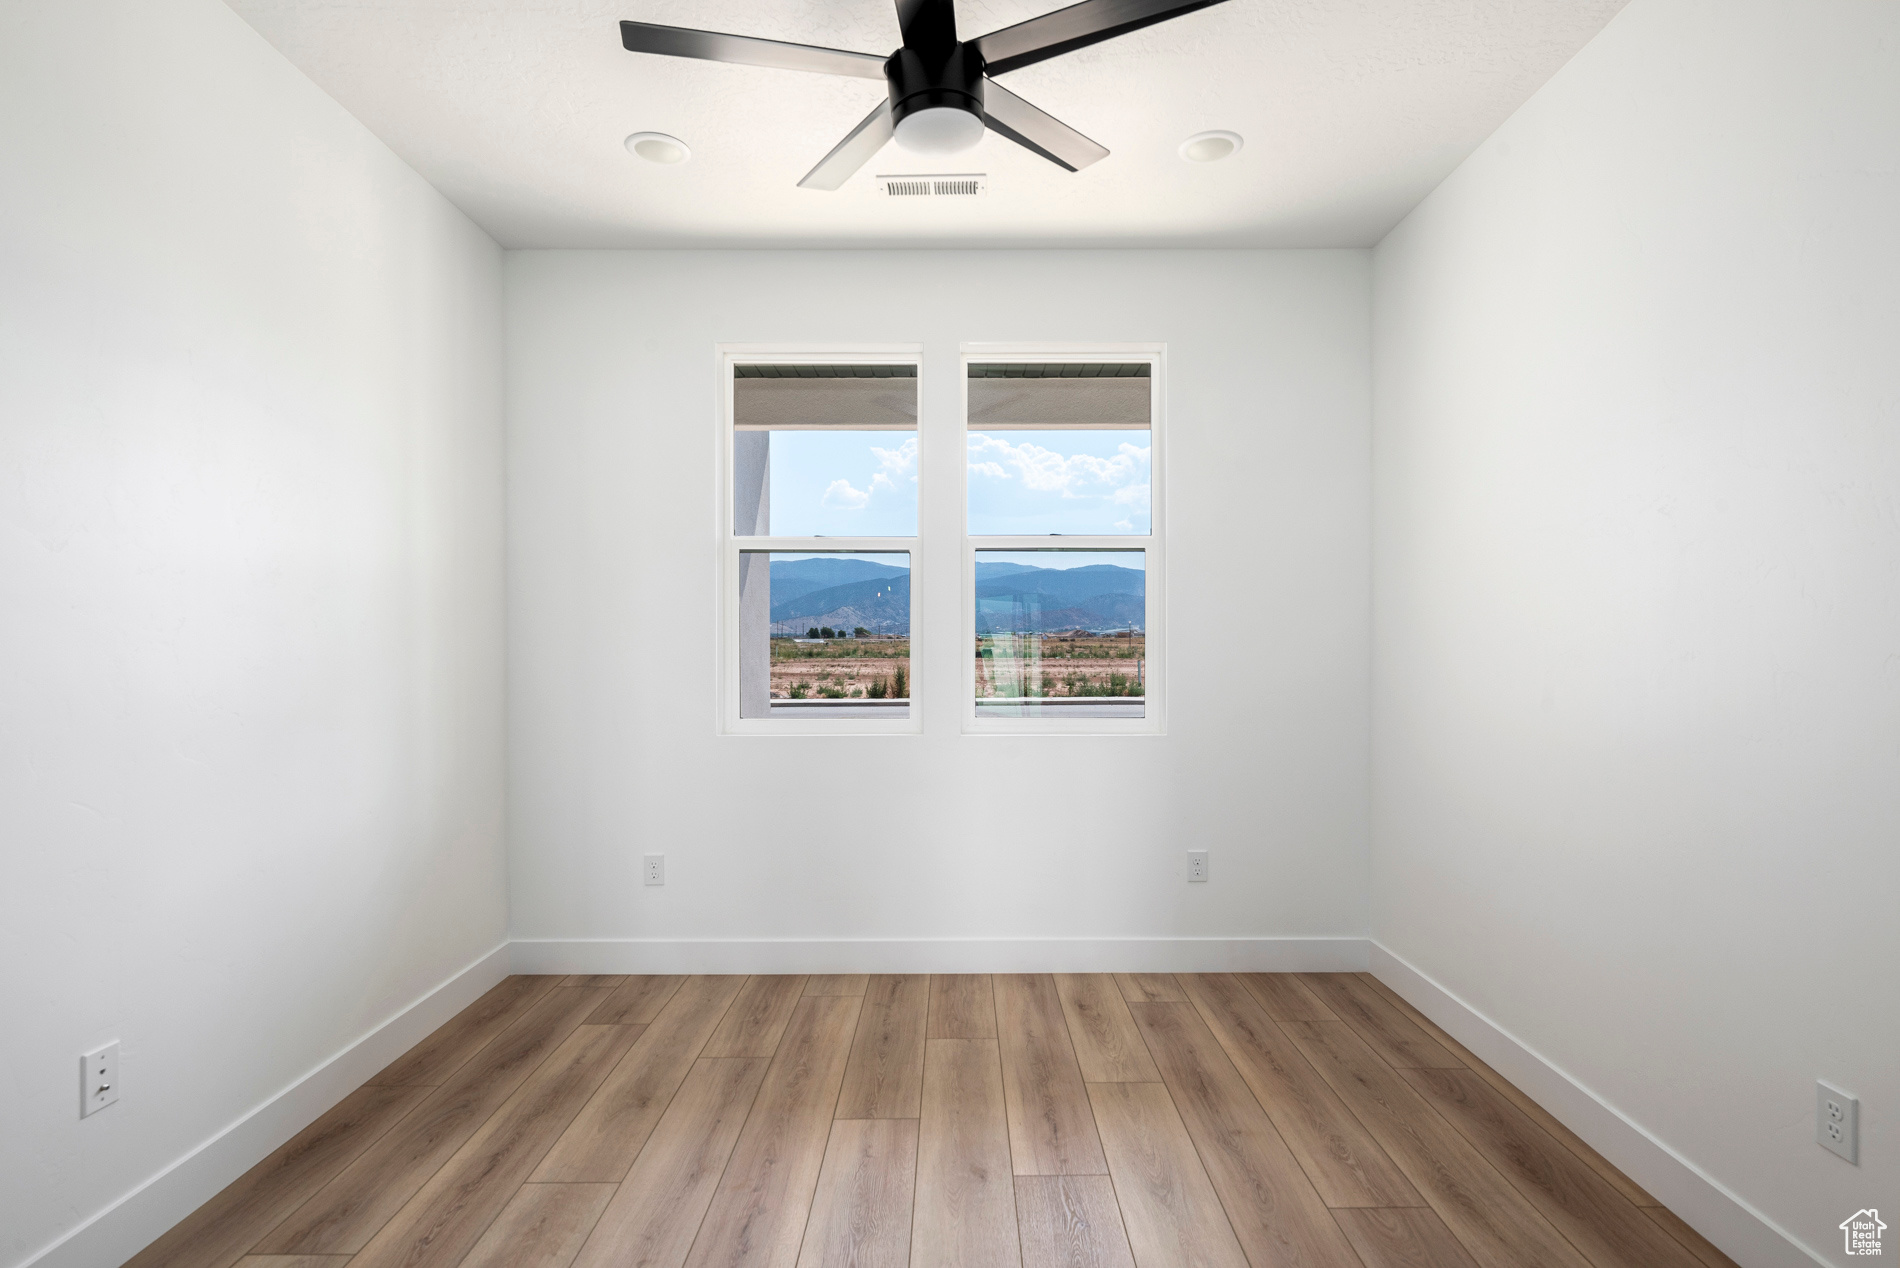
1210, 147
657, 147
939, 130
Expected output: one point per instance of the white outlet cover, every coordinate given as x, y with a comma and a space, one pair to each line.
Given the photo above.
656, 869
99, 1079
1837, 1121
1197, 866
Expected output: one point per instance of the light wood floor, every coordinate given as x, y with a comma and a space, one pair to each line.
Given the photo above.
1038, 1120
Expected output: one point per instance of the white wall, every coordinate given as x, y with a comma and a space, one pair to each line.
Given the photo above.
612, 396
250, 554
1637, 579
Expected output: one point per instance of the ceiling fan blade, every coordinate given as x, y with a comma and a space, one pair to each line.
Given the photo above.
1034, 129
927, 24
853, 152
1075, 27
744, 50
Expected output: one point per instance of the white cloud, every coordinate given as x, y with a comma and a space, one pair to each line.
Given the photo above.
896, 464
1075, 475
841, 496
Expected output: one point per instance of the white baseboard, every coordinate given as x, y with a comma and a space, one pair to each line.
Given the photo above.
1744, 1233
127, 1226
942, 955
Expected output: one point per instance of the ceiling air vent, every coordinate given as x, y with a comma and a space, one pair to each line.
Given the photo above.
933, 186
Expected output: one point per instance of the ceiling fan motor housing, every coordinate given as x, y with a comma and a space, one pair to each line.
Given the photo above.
922, 79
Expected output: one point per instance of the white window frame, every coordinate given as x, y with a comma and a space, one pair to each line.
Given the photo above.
731, 545
1154, 721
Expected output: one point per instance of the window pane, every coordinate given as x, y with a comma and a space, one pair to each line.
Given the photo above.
824, 450
824, 635
1061, 633
1059, 448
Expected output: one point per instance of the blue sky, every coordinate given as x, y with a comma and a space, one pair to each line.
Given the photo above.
844, 484
1072, 482
864, 484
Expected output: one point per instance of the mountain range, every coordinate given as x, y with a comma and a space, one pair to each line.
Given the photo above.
846, 593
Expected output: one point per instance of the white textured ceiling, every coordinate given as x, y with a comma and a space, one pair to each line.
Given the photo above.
1352, 111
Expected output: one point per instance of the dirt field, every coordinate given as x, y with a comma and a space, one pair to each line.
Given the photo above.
1060, 665
841, 668
1053, 665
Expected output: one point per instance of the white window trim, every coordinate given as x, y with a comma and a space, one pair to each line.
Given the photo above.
731, 545
1153, 545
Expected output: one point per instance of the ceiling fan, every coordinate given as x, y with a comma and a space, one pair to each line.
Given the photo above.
942, 94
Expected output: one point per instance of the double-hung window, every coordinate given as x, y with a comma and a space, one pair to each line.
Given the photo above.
824, 468
821, 463
1062, 565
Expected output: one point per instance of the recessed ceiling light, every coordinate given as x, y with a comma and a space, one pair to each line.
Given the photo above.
657, 147
1210, 147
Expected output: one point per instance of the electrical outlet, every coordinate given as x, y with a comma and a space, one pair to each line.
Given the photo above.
656, 869
98, 1079
1837, 1121
1197, 865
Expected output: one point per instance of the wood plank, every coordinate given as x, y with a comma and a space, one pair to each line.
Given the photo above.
758, 1211
1149, 988
961, 1006
1344, 1163
543, 1226
591, 981
1598, 1220
218, 1233
609, 1132
1275, 1213
860, 1213
1051, 1128
656, 1213
638, 1001
1071, 1222
757, 1018
966, 1197
451, 1044
1390, 1033
1282, 998
1497, 1225
293, 1261
342, 1216
1699, 1246
1401, 1238
836, 983
1167, 1202
1106, 1041
885, 1076
440, 1225
1541, 1116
